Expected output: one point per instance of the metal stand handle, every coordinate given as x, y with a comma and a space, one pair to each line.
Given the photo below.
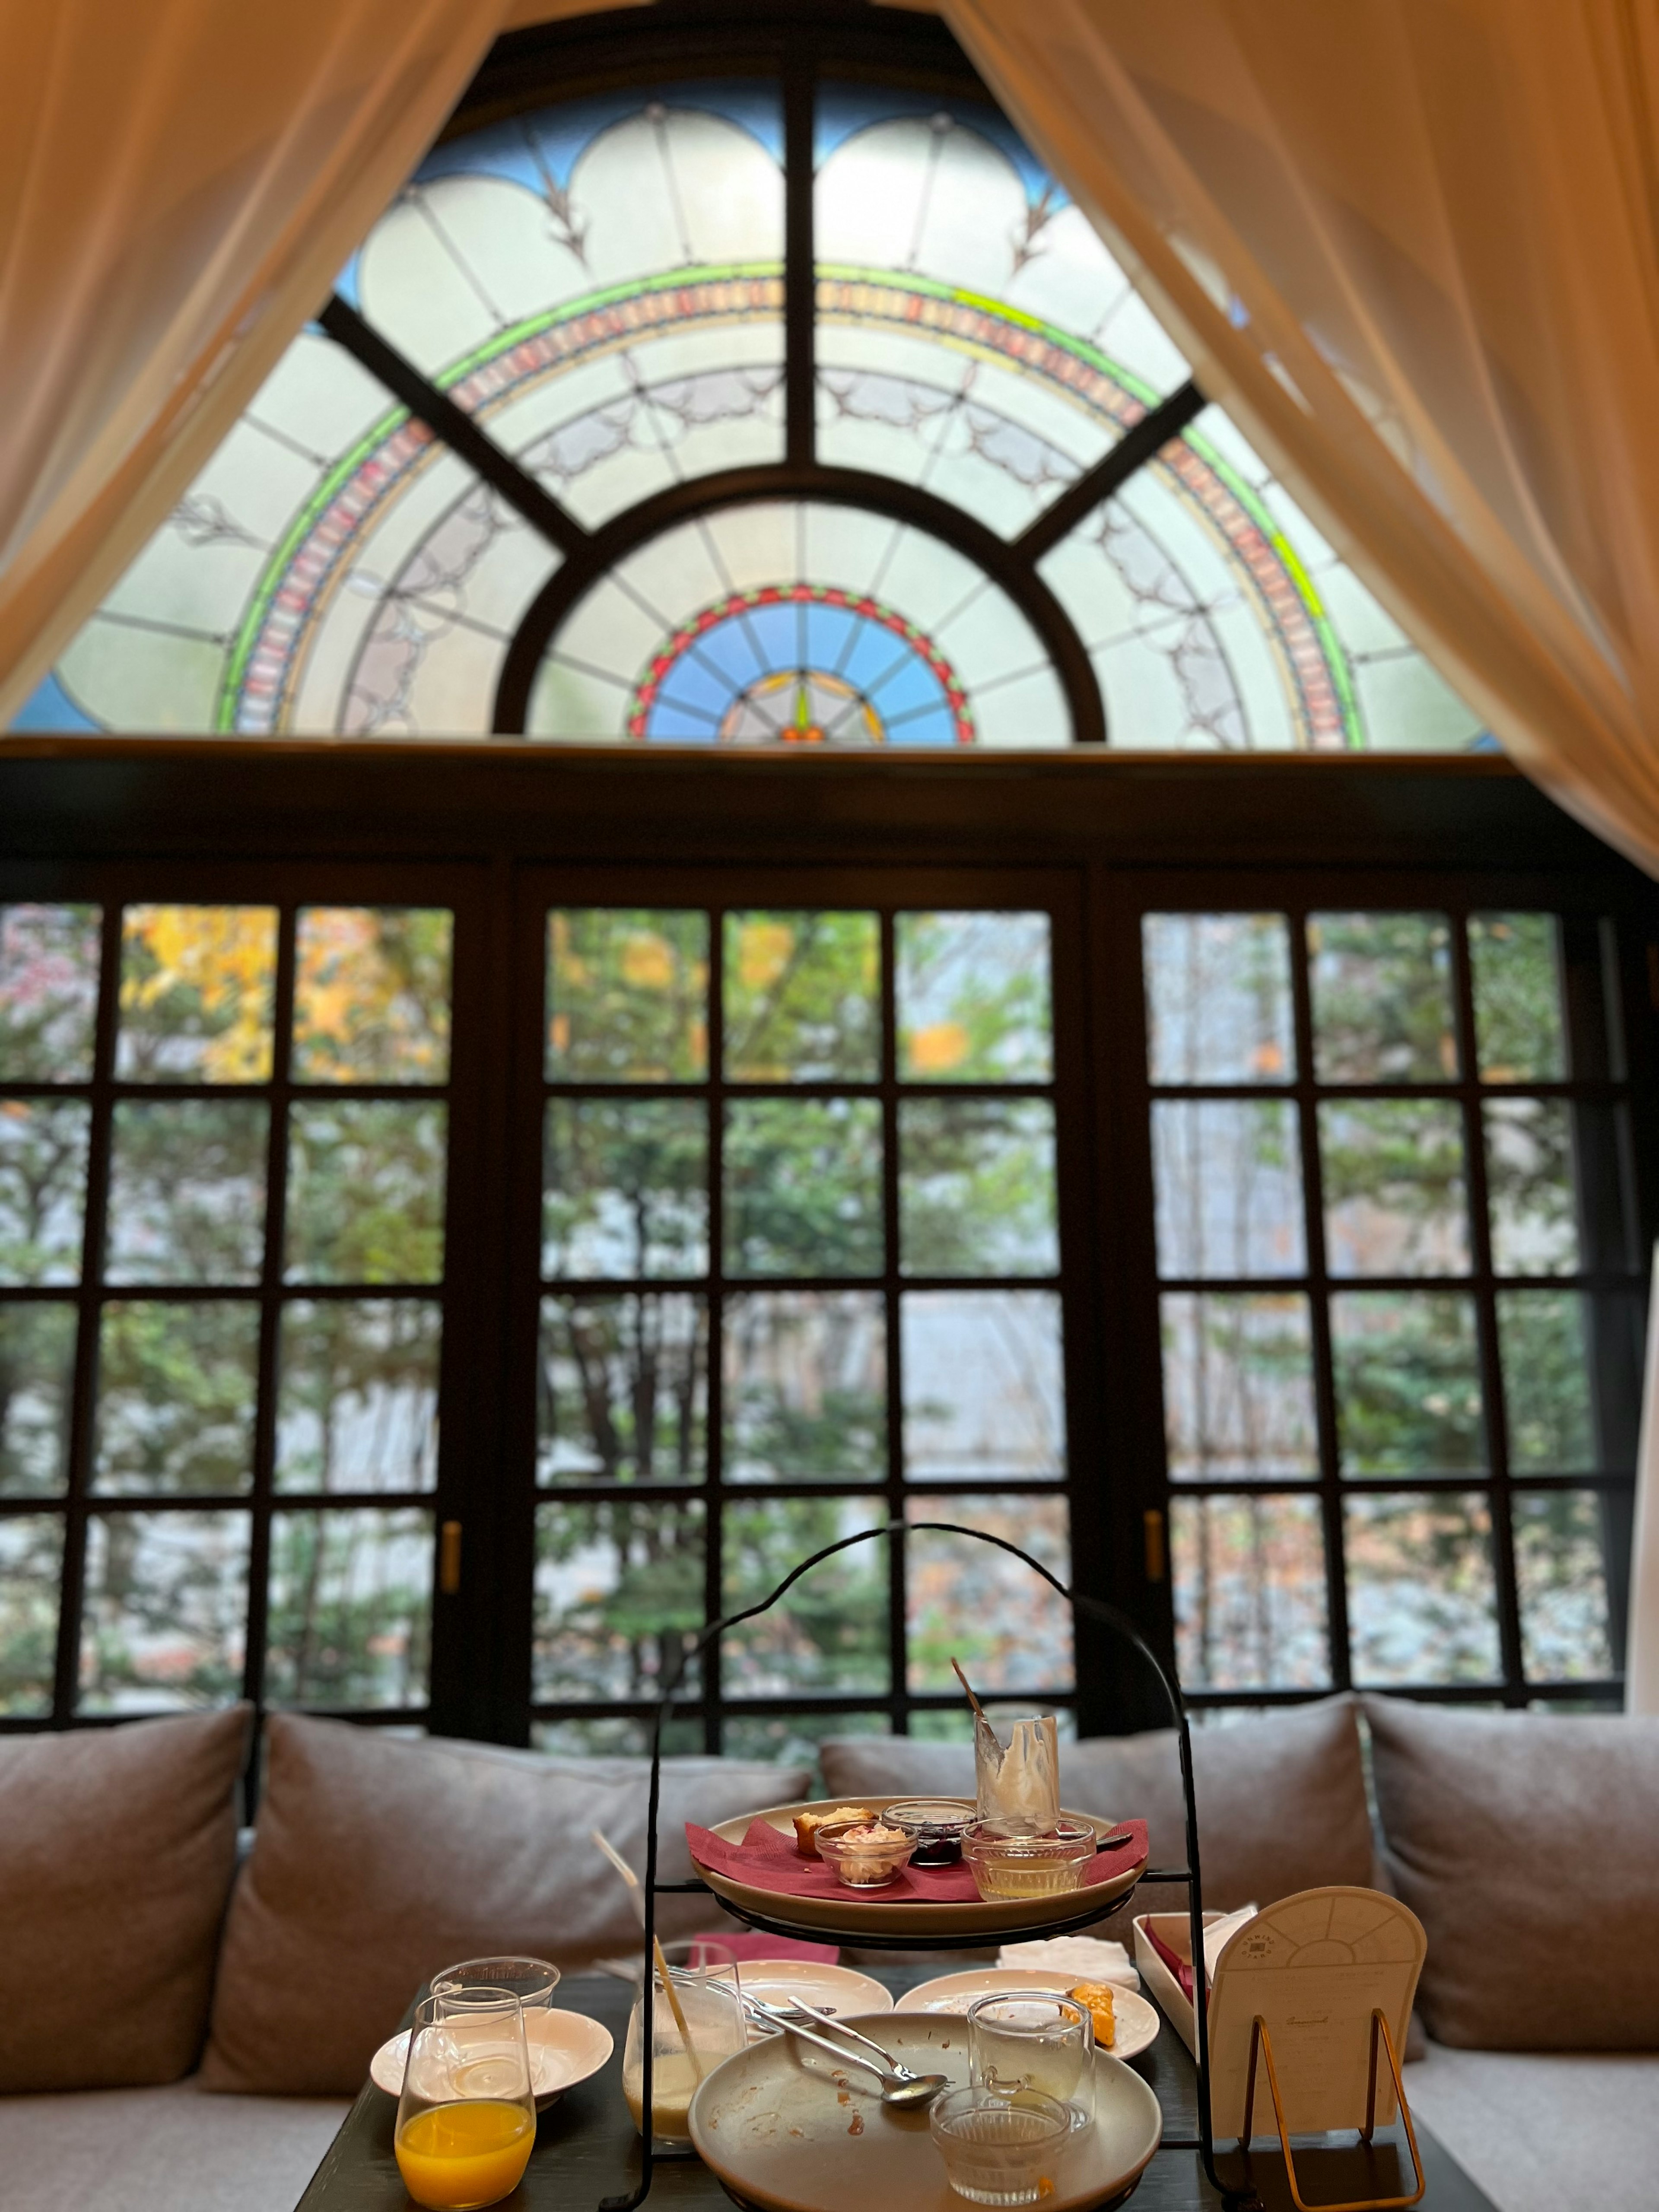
1080, 1601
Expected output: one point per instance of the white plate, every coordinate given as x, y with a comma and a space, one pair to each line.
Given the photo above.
844, 1916
565, 2048
781, 2132
1136, 2021
810, 1981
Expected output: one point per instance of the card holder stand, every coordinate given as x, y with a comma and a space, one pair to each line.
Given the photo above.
1097, 1609
1262, 2042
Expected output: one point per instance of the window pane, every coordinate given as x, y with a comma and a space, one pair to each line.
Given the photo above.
623, 1392
198, 986
983, 1390
1250, 1593
31, 1579
973, 998
792, 1738
43, 1188
615, 1736
37, 1372
627, 996
830, 1632
366, 1193
1561, 1570
371, 994
164, 1620
803, 998
1534, 1228
619, 1596
1407, 1383
1422, 1604
803, 1186
1542, 1343
1229, 1178
49, 961
805, 1386
1007, 1626
1238, 1394
1218, 997
358, 1402
187, 1191
350, 1620
625, 1187
1395, 1203
1382, 998
176, 1390
977, 1187
1518, 1032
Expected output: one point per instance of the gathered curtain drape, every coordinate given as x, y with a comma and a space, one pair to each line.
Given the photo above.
1414, 244
181, 181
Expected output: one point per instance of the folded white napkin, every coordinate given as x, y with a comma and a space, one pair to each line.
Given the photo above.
1089, 1957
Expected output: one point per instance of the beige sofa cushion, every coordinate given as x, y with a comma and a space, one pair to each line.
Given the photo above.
117, 1849
1281, 1799
1483, 1815
375, 1861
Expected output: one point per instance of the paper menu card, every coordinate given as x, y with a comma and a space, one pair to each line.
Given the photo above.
1314, 1966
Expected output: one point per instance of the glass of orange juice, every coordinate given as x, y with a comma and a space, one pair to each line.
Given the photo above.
466, 2116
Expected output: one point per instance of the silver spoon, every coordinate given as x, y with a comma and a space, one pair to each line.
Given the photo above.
899, 2086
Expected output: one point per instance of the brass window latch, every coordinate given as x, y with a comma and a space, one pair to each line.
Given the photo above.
449, 1558
1151, 1524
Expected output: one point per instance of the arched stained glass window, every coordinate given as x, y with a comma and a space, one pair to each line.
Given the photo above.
583, 449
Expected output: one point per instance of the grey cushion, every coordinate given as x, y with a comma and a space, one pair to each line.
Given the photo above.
1487, 1819
375, 1861
161, 2150
116, 1848
1541, 2133
1281, 1799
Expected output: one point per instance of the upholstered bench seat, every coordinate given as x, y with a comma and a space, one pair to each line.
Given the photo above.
1545, 2131
170, 2149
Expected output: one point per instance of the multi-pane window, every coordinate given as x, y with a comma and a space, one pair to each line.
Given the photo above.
223, 1158
1399, 1303
801, 1275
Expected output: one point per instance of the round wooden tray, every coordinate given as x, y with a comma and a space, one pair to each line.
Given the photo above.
967, 1923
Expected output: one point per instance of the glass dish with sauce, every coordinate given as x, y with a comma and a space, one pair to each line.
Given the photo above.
937, 1826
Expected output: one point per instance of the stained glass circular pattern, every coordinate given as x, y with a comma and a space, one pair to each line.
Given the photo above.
803, 665
600, 284
798, 622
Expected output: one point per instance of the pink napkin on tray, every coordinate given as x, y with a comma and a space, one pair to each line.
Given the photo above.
751, 1946
767, 1859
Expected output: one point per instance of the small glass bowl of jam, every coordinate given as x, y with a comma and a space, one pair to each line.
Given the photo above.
939, 1825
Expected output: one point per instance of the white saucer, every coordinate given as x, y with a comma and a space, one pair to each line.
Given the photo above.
565, 2048
1135, 2020
810, 1981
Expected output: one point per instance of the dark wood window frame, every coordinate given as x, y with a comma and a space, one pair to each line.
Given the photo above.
487, 829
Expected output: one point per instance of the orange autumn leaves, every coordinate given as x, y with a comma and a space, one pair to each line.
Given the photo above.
371, 994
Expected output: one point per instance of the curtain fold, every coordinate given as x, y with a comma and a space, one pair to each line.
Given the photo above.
1414, 244
180, 182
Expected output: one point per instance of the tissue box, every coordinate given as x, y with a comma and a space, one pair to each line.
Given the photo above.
1174, 1931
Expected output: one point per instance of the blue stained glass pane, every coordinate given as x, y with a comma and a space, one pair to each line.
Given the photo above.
730, 654
681, 726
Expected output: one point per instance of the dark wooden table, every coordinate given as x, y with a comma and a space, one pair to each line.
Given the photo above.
586, 2147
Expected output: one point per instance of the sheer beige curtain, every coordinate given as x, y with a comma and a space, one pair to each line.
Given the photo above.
1414, 244
179, 182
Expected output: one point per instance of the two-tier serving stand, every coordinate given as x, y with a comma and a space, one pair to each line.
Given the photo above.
1082, 1915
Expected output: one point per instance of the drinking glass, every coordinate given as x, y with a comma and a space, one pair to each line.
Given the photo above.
532, 1981
703, 1982
999, 2150
1017, 1769
1046, 2044
466, 2115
